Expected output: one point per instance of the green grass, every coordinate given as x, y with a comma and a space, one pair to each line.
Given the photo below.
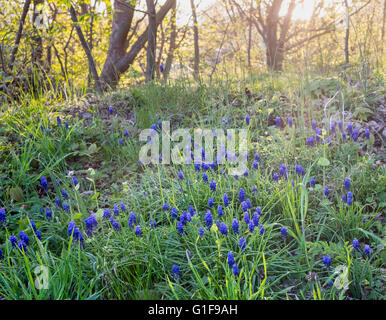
119, 265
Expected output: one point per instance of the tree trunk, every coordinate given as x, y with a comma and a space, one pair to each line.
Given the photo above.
19, 33
37, 19
91, 63
196, 45
250, 34
118, 60
122, 19
346, 39
273, 54
151, 41
172, 46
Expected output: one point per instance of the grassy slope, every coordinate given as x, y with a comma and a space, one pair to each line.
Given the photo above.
121, 265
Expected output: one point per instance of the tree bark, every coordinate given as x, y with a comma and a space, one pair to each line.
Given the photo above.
19, 33
273, 55
90, 59
346, 38
37, 20
151, 41
172, 45
196, 44
118, 60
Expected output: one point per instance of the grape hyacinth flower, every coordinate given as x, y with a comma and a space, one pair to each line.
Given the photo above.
254, 189
115, 223
249, 203
242, 244
64, 194
367, 250
116, 211
349, 198
332, 128
13, 240
23, 236
91, 223
126, 133
255, 164
180, 227
59, 121
310, 141
205, 177
48, 213
120, 142
350, 128
176, 272
246, 218
276, 177
283, 231
244, 206
283, 171
132, 219
44, 184
247, 119
111, 110
327, 260
241, 195
3, 216
33, 226
165, 207
22, 245
235, 270
261, 228
235, 226
174, 213
344, 198
201, 232
347, 183
226, 200
74, 232
106, 214
313, 124
180, 175
1, 254
153, 224
277, 121
220, 211
340, 125
355, 135
312, 182
299, 170
231, 259
208, 219
355, 244
251, 226
123, 207
367, 134
256, 218
74, 181
66, 207
210, 202
138, 231
326, 192
223, 228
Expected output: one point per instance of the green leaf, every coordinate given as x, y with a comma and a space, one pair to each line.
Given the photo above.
323, 162
16, 194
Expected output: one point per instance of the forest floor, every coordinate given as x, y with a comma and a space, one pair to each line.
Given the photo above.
305, 221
